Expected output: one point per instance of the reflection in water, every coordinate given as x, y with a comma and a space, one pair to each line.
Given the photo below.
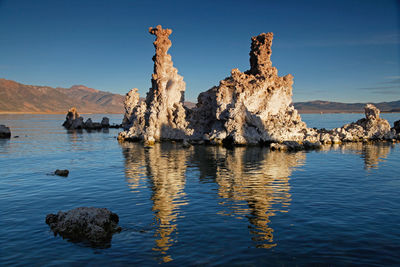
372, 154
165, 166
255, 184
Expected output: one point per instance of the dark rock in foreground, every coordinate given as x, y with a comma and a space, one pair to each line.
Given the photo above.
61, 172
94, 225
4, 131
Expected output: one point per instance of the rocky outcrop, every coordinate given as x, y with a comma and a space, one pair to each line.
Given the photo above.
370, 128
251, 107
95, 225
4, 131
246, 108
162, 115
74, 121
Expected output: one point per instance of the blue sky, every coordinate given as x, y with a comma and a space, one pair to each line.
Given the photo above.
344, 51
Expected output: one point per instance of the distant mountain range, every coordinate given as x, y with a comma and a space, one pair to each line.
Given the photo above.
337, 107
17, 97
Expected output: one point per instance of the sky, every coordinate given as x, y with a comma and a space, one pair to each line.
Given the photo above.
345, 51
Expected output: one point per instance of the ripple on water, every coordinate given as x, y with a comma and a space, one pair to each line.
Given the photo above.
201, 205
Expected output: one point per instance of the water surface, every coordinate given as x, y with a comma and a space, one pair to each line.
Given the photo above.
201, 205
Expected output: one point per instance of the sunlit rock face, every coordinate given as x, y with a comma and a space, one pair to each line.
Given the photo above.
250, 107
246, 108
372, 127
162, 115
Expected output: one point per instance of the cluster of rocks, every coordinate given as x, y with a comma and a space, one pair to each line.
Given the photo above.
246, 108
93, 225
5, 131
74, 121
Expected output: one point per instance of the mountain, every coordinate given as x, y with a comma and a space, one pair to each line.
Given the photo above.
337, 107
17, 97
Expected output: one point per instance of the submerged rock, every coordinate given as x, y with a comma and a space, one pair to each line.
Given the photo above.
61, 172
5, 131
95, 225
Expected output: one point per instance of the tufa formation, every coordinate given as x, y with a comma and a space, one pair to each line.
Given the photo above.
162, 115
246, 108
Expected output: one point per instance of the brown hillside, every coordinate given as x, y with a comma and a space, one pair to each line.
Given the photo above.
17, 97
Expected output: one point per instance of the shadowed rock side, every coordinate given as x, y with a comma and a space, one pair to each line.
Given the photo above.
247, 108
5, 131
162, 115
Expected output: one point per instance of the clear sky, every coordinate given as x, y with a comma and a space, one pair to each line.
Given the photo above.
344, 51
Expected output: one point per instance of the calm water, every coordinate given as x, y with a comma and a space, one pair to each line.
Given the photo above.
199, 205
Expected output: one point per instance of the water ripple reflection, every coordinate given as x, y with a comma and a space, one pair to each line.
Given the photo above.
254, 184
165, 167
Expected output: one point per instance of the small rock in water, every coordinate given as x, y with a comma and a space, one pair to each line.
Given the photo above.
4, 131
61, 172
95, 225
105, 122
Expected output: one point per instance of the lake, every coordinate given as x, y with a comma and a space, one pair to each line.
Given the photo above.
201, 205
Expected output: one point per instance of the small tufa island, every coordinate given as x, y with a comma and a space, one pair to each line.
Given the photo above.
248, 108
73, 121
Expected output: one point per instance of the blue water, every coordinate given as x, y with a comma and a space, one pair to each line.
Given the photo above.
202, 205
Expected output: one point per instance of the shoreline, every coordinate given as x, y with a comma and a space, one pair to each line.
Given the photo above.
51, 113
89, 113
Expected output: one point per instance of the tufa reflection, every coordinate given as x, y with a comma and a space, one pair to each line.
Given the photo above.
371, 153
164, 165
254, 184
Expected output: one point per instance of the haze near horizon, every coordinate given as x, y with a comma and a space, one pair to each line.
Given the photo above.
345, 51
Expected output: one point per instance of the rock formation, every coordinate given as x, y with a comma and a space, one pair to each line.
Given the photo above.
246, 108
370, 128
251, 107
396, 127
95, 225
162, 115
4, 131
61, 172
74, 121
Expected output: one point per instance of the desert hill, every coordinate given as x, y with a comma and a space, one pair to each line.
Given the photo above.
17, 97
318, 106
